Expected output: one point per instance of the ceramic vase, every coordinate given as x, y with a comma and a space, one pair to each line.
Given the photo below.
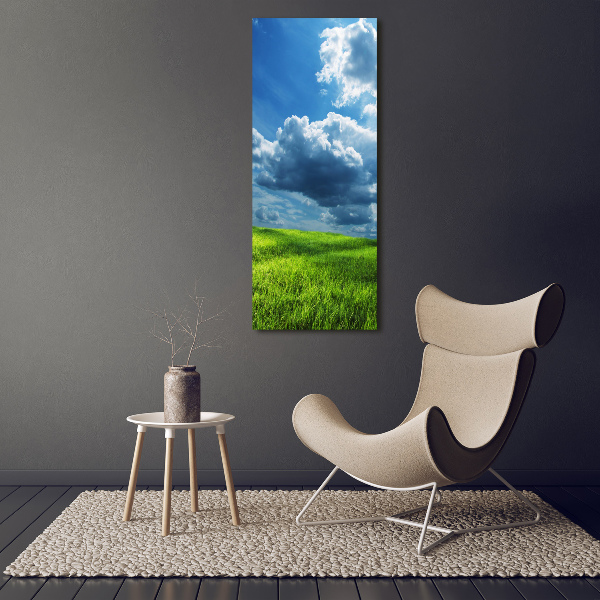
182, 395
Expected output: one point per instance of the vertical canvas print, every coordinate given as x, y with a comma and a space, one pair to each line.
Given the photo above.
314, 174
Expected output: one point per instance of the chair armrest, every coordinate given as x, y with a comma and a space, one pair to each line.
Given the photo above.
399, 458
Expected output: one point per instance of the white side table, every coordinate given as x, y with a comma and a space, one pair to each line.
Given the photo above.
156, 420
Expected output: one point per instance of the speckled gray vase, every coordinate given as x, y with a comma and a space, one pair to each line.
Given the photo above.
182, 395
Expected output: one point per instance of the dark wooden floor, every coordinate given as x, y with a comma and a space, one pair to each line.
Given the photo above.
26, 511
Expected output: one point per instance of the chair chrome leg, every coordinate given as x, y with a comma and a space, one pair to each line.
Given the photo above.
365, 519
518, 494
425, 527
314, 497
434, 500
452, 532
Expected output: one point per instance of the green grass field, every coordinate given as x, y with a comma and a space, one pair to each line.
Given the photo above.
313, 280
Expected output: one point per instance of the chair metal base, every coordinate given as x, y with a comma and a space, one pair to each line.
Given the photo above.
434, 500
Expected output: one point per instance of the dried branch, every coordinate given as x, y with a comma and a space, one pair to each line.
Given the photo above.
209, 344
170, 327
198, 302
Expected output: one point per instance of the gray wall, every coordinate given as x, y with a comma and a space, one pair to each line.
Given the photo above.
125, 170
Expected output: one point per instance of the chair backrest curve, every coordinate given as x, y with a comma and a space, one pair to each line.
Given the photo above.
463, 464
474, 392
476, 369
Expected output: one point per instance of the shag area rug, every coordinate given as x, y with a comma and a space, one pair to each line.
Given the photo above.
90, 539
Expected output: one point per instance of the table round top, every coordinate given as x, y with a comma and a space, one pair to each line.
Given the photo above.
157, 419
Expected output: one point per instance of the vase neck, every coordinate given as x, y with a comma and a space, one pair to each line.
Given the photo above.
183, 368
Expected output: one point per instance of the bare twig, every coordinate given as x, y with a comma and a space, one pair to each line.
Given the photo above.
198, 302
185, 324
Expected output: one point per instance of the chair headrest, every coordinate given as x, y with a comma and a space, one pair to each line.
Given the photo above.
485, 330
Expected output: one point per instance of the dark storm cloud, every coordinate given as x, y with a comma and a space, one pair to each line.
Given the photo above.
333, 162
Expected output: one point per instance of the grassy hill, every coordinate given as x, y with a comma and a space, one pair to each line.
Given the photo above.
313, 280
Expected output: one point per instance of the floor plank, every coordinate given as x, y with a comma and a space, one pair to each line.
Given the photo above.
100, 588
258, 588
574, 508
30, 511
331, 588
496, 588
585, 495
594, 581
179, 588
32, 527
219, 588
298, 588
17, 499
456, 588
416, 588
377, 589
60, 588
5, 490
139, 588
575, 588
21, 588
534, 588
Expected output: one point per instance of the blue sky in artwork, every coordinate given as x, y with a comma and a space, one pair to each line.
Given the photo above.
314, 125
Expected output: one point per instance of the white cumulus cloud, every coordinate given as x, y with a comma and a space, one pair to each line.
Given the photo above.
370, 110
268, 215
349, 56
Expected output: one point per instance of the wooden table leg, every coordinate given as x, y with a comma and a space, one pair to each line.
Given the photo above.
166, 518
135, 466
193, 472
235, 516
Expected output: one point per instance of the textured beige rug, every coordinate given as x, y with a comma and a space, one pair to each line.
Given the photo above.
89, 538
